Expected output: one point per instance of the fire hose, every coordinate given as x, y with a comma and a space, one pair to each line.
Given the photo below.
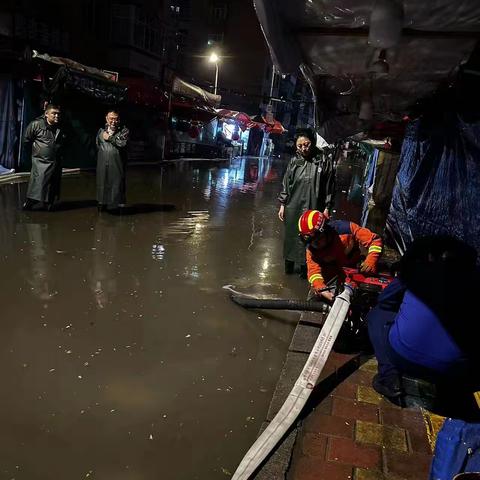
300, 392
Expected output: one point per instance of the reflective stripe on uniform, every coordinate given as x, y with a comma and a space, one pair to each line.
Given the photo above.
315, 276
375, 249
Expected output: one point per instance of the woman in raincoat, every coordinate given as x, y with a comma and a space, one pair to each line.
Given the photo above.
308, 184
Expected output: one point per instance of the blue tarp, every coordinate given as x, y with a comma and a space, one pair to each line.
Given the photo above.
437, 188
457, 450
8, 123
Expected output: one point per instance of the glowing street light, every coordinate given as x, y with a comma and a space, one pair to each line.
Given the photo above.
214, 58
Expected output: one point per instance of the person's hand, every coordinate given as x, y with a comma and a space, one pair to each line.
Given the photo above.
105, 136
368, 267
326, 294
327, 213
281, 213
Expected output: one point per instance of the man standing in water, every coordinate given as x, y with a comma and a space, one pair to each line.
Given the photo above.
111, 163
46, 139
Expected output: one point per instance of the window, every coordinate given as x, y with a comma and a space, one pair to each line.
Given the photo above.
89, 20
218, 13
133, 26
175, 9
122, 16
215, 38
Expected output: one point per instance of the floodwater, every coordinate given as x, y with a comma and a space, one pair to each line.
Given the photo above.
121, 356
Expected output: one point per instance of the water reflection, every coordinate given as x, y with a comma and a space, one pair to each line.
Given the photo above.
155, 360
10, 199
37, 249
104, 256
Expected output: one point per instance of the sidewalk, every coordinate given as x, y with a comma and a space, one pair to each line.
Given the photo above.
354, 433
347, 431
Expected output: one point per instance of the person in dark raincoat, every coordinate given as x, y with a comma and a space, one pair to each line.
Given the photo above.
111, 163
308, 184
46, 139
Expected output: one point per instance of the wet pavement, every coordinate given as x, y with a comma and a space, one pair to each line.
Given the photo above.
121, 356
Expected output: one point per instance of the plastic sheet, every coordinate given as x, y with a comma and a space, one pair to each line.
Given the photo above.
337, 63
436, 189
8, 121
379, 183
103, 90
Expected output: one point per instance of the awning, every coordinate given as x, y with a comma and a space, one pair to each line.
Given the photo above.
186, 109
104, 91
276, 128
241, 118
146, 92
368, 61
189, 90
74, 65
89, 81
245, 121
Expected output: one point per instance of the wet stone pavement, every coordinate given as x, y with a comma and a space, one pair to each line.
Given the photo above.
121, 356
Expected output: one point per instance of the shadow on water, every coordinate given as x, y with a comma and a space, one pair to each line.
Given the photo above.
128, 210
144, 208
75, 205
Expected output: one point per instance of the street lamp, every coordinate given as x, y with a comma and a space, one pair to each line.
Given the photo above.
214, 58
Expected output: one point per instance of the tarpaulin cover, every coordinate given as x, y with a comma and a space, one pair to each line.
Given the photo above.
8, 123
379, 182
103, 90
185, 89
328, 40
75, 65
190, 110
437, 186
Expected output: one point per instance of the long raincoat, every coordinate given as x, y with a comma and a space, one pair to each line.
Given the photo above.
111, 165
46, 174
308, 184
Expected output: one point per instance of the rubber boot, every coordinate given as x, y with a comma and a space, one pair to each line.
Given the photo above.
28, 205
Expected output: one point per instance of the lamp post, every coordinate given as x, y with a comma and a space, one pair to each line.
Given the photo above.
214, 58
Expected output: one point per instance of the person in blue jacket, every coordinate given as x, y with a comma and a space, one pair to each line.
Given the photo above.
422, 325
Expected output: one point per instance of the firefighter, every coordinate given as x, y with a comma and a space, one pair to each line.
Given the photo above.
332, 245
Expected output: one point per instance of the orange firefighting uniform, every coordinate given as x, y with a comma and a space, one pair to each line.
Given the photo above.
343, 250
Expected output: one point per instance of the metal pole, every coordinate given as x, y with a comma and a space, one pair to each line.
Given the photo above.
272, 83
216, 77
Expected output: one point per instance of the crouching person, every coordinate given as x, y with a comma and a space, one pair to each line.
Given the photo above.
332, 245
421, 325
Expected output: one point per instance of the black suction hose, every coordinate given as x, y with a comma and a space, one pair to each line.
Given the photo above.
280, 304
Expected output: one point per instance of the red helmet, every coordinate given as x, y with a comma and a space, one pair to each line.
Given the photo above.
312, 221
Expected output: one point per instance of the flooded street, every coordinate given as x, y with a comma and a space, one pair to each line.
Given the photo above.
121, 355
